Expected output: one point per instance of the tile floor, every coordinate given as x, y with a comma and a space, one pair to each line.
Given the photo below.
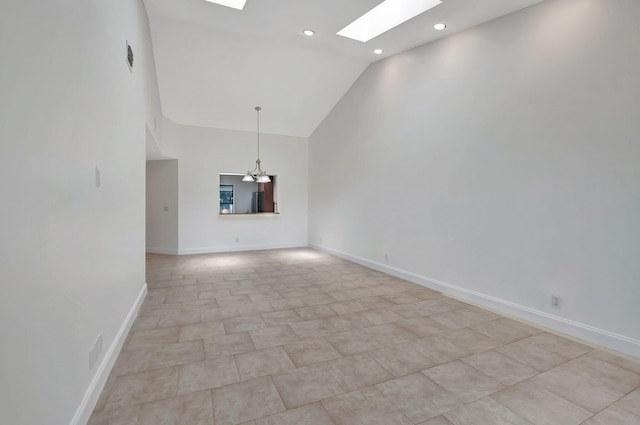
298, 337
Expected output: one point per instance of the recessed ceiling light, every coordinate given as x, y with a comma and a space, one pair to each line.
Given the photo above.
440, 26
378, 51
308, 32
235, 4
388, 14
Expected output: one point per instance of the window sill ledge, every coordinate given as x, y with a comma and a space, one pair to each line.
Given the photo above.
249, 214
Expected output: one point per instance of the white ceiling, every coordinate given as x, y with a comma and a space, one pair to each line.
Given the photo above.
215, 64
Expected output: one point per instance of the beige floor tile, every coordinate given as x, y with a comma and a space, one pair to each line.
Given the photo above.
531, 330
204, 330
245, 401
463, 381
344, 295
631, 403
614, 415
213, 293
266, 297
179, 319
311, 351
233, 300
183, 298
122, 416
364, 407
307, 385
243, 324
151, 338
347, 307
532, 355
556, 344
211, 373
422, 293
401, 298
358, 371
539, 406
317, 299
268, 361
381, 316
485, 411
316, 312
500, 331
348, 343
418, 397
105, 394
440, 420
470, 340
502, 368
479, 315
226, 345
137, 388
580, 389
283, 317
293, 293
161, 310
401, 359
219, 313
194, 408
617, 360
422, 326
255, 308
614, 377
288, 304
348, 322
455, 319
311, 414
439, 349
273, 336
145, 323
158, 357
426, 308
389, 334
313, 328
389, 328
376, 302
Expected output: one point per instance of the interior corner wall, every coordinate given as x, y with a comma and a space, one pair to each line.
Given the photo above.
73, 264
500, 164
162, 206
205, 153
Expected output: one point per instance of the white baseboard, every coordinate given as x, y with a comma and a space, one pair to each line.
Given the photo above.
591, 334
235, 248
166, 251
83, 413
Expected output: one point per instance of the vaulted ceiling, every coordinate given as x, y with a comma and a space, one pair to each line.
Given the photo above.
215, 64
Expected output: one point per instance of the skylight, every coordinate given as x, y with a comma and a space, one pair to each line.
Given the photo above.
236, 4
388, 14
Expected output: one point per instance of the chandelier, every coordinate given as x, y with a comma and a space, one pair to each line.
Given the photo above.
257, 175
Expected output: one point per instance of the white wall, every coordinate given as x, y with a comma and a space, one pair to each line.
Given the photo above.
162, 192
519, 144
72, 254
204, 153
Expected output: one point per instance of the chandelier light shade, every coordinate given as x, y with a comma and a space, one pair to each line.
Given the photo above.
257, 175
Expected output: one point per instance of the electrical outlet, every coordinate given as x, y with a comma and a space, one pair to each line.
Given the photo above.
97, 177
386, 257
237, 240
166, 209
555, 301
